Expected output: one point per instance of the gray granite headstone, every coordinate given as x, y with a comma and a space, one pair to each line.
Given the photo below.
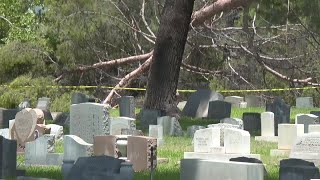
304, 102
24, 104
198, 103
192, 129
254, 101
281, 112
75, 147
149, 117
171, 126
219, 110
252, 123
234, 121
127, 106
298, 169
306, 120
8, 157
6, 115
101, 168
44, 104
61, 118
78, 98
250, 160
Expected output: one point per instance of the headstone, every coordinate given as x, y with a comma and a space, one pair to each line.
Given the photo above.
101, 168
149, 117
297, 169
44, 104
288, 134
196, 169
219, 109
6, 115
75, 147
132, 132
88, 120
39, 115
25, 124
118, 123
56, 130
192, 129
198, 103
307, 147
304, 102
281, 112
254, 101
171, 126
156, 131
24, 104
267, 124
243, 105
62, 119
78, 98
234, 100
122, 145
250, 160
8, 157
222, 127
314, 128
127, 106
5, 133
105, 145
40, 152
237, 141
252, 123
306, 120
11, 123
204, 139
234, 121
142, 152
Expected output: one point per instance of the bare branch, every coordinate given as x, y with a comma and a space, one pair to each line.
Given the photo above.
144, 19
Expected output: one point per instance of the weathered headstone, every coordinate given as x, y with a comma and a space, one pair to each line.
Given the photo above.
118, 123
192, 129
306, 120
88, 120
56, 130
101, 168
281, 112
132, 132
234, 100
267, 124
8, 157
105, 145
127, 106
25, 124
149, 117
219, 109
254, 101
78, 98
236, 141
307, 147
44, 104
222, 127
6, 115
142, 152
198, 103
252, 123
297, 169
199, 169
304, 102
75, 147
171, 126
288, 134
156, 131
61, 118
24, 104
40, 152
204, 139
314, 128
234, 121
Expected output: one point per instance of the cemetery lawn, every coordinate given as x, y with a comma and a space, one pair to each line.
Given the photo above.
174, 148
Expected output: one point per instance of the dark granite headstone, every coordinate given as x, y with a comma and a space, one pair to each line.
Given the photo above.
6, 115
61, 118
44, 104
78, 98
219, 110
317, 113
250, 160
298, 169
127, 107
198, 103
98, 168
281, 112
149, 117
252, 123
8, 157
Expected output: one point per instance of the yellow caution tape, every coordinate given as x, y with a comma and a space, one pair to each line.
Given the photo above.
143, 89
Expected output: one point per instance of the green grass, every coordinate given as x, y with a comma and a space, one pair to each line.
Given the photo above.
174, 148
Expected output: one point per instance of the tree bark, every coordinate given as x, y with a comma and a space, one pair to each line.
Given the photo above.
168, 54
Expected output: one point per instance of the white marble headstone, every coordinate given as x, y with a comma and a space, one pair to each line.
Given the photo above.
236, 141
118, 123
156, 131
267, 124
287, 134
314, 128
204, 139
222, 127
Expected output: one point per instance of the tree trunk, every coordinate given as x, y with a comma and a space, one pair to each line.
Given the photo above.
168, 54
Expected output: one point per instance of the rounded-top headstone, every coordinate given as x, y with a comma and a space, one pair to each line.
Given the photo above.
25, 124
38, 113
